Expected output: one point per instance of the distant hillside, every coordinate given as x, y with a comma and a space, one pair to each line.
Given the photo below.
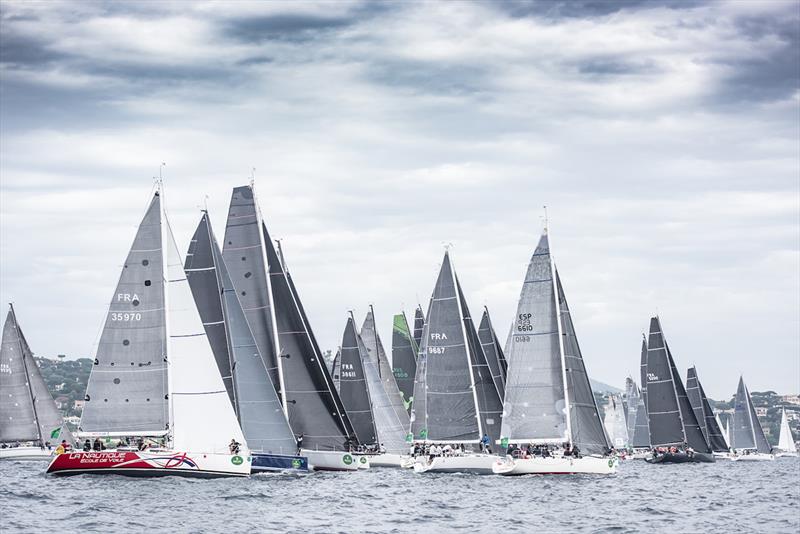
66, 380
600, 387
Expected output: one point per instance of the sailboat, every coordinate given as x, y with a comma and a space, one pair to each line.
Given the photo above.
155, 375
258, 408
404, 359
372, 342
284, 338
675, 433
748, 442
549, 401
31, 426
638, 428
705, 415
615, 423
724, 428
456, 402
380, 431
786, 446
419, 325
494, 353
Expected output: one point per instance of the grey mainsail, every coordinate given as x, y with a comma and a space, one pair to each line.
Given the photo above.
747, 432
704, 413
586, 426
419, 324
391, 430
670, 415
629, 404
27, 410
372, 341
353, 387
449, 411
494, 355
245, 258
249, 386
404, 359
127, 390
535, 401
638, 429
490, 400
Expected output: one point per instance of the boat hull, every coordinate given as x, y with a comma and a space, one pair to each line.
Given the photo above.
25, 453
786, 455
388, 459
680, 458
592, 465
480, 464
330, 460
266, 463
362, 460
151, 464
756, 457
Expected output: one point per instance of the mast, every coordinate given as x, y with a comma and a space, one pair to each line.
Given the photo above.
165, 285
27, 375
377, 341
561, 349
467, 351
273, 319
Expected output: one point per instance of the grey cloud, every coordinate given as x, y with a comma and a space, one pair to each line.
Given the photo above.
558, 9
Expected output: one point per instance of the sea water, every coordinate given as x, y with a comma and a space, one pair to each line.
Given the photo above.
720, 497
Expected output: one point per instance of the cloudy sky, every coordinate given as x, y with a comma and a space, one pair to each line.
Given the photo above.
664, 139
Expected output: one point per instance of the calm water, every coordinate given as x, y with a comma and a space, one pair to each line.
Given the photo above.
720, 497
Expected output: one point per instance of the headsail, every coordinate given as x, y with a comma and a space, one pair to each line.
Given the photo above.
614, 422
493, 352
449, 411
404, 359
704, 413
249, 386
335, 368
127, 393
490, 400
391, 429
372, 342
586, 426
27, 410
353, 387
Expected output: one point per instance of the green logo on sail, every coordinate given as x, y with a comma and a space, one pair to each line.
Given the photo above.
347, 459
504, 443
56, 431
363, 459
423, 433
296, 463
237, 460
409, 437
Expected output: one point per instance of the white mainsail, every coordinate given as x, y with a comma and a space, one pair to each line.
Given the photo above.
785, 441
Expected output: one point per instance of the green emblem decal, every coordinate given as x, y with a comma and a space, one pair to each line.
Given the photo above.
363, 459
54, 434
504, 443
296, 463
423, 433
237, 460
347, 459
409, 437
611, 463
